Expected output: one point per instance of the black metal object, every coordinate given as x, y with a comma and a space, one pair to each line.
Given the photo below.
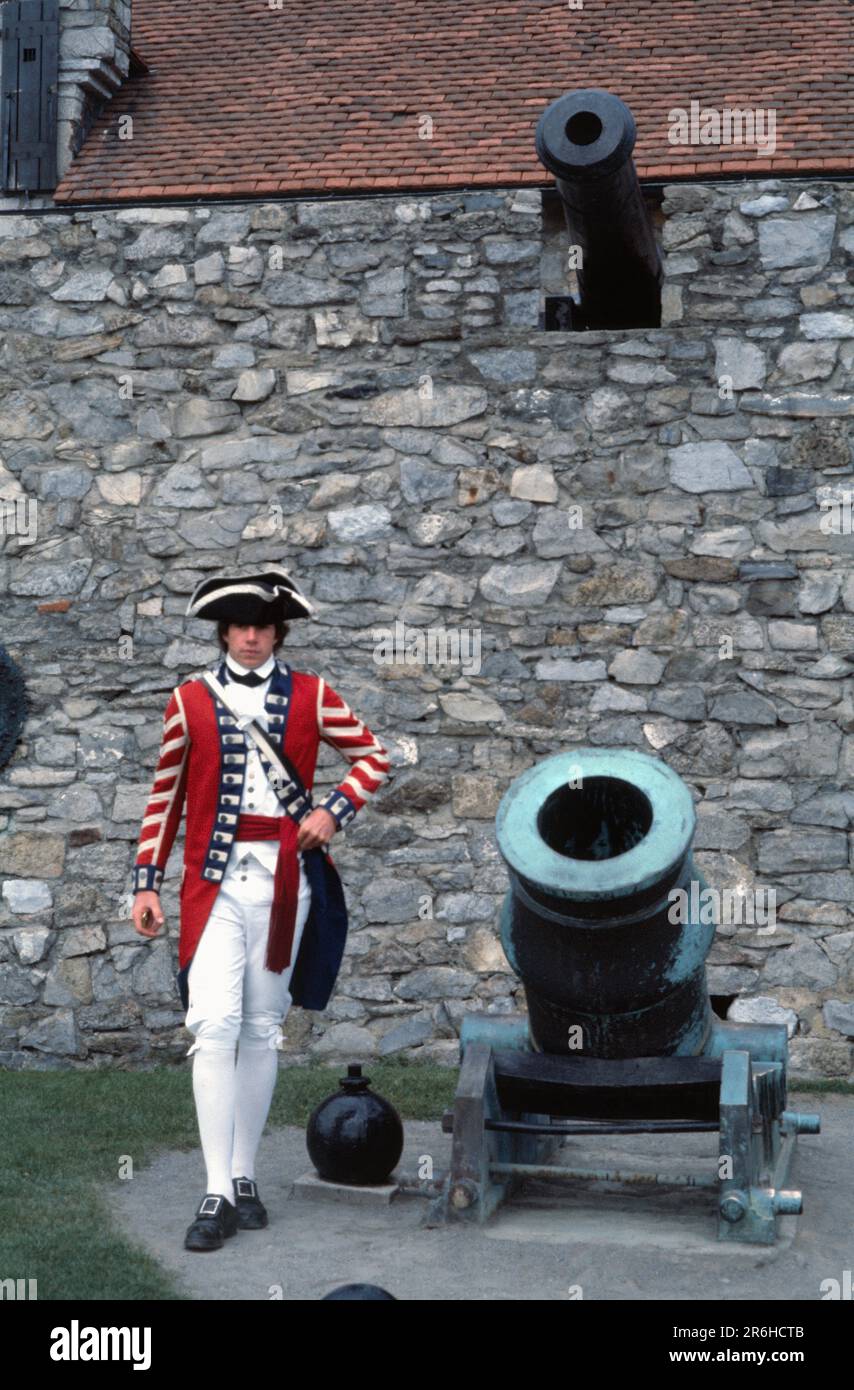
635, 1088
355, 1136
359, 1293
586, 140
595, 1129
28, 97
587, 1126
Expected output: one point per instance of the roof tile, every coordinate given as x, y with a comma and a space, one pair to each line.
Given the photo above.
241, 100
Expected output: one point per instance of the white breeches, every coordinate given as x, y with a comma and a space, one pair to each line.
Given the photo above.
232, 995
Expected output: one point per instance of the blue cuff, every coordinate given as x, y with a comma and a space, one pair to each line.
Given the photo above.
339, 806
147, 878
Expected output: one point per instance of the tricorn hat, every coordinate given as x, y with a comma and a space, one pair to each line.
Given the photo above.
268, 596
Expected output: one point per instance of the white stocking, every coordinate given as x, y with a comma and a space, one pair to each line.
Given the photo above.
255, 1074
214, 1086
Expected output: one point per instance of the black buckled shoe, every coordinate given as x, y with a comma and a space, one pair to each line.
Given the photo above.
251, 1212
216, 1220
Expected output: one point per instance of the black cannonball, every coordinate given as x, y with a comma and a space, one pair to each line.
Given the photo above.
355, 1136
368, 1293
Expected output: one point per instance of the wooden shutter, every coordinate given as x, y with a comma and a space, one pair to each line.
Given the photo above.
30, 63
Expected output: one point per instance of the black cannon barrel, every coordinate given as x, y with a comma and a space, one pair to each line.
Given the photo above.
586, 140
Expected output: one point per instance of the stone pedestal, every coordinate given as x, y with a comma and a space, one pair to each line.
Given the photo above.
312, 1188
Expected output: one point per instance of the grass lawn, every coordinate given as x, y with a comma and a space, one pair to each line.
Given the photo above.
66, 1134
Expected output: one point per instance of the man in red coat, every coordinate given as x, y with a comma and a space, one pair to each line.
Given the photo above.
263, 919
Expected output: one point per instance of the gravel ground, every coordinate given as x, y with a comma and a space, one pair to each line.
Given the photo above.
613, 1243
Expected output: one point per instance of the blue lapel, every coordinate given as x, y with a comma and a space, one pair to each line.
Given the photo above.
232, 742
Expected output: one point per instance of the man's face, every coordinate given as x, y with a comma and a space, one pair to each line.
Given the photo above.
250, 645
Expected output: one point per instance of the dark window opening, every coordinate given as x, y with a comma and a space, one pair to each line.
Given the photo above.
563, 308
558, 313
721, 1002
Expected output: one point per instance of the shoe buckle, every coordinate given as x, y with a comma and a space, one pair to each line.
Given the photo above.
244, 1187
210, 1206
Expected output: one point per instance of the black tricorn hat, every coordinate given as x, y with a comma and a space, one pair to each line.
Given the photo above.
268, 596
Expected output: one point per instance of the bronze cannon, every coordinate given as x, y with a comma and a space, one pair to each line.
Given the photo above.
620, 1036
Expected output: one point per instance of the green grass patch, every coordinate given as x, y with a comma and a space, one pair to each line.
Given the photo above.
830, 1086
418, 1090
65, 1134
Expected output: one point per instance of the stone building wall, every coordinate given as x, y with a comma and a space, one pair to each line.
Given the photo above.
634, 529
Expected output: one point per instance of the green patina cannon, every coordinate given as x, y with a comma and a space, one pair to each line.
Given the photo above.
620, 1036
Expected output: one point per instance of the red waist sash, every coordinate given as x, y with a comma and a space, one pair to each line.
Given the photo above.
283, 913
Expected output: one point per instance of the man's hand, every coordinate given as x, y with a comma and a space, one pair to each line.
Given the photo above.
147, 901
317, 829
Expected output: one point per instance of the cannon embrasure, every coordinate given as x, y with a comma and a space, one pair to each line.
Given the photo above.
620, 1036
586, 140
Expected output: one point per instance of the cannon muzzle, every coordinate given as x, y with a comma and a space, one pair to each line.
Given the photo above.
586, 140
598, 845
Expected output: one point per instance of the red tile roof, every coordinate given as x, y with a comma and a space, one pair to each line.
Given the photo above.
337, 95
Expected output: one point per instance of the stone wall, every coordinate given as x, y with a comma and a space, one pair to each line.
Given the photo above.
631, 524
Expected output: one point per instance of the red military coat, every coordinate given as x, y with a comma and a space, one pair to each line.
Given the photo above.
202, 762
